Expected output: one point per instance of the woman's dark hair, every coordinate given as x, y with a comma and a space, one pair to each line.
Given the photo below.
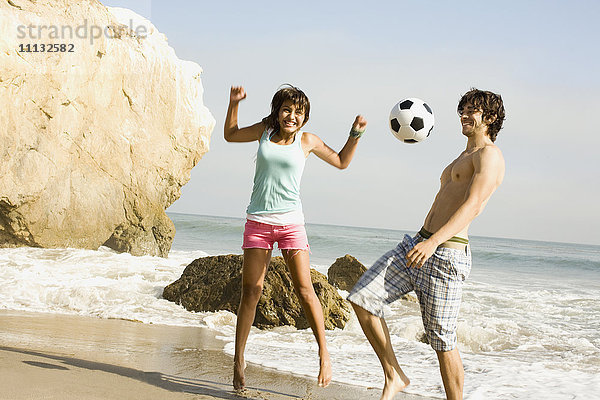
490, 104
286, 92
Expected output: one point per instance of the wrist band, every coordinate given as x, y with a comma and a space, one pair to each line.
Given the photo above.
356, 134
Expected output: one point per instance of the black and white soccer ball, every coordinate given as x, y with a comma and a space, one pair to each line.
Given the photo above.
411, 120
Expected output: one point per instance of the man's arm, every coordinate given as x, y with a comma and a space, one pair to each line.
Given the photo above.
488, 172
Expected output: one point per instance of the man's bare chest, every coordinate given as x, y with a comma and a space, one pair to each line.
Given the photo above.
459, 171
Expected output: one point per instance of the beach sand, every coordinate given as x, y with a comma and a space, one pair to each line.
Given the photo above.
52, 356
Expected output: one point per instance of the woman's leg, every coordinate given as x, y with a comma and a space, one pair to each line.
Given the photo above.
299, 266
253, 275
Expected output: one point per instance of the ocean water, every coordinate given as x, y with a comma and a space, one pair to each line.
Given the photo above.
529, 326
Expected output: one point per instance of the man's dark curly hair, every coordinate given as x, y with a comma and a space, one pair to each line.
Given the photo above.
286, 92
490, 104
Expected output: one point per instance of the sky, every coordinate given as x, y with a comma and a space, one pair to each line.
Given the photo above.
354, 57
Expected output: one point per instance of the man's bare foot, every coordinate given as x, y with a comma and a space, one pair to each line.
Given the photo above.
394, 385
239, 380
324, 370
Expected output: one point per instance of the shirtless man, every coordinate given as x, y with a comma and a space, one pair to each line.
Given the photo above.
436, 261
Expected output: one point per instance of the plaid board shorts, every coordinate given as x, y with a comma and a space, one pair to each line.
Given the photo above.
438, 285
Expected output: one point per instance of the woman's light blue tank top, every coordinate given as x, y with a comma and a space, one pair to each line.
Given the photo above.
277, 176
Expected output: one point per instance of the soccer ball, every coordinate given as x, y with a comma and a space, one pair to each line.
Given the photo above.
411, 120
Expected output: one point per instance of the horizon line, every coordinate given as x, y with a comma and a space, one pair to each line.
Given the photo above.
394, 229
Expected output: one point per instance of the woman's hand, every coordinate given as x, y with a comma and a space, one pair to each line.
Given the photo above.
237, 94
360, 124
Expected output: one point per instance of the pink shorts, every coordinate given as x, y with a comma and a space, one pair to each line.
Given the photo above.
262, 236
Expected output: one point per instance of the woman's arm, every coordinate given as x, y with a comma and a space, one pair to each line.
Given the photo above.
342, 159
231, 131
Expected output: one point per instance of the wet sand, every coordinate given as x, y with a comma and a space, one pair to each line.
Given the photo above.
51, 356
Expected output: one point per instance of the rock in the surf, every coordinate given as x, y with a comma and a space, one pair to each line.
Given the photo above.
344, 272
215, 283
98, 136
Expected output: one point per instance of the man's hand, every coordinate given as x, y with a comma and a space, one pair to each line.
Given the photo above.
237, 94
420, 253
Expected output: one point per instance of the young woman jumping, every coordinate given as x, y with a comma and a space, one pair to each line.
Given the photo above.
275, 211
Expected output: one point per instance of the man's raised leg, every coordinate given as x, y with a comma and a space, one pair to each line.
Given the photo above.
453, 374
377, 333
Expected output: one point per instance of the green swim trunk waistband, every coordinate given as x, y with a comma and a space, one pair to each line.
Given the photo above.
426, 234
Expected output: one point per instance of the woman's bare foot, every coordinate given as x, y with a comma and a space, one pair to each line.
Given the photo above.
324, 370
393, 385
239, 380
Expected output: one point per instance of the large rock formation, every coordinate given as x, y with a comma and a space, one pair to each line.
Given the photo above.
215, 283
97, 140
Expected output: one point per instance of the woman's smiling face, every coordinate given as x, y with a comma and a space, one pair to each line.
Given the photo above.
290, 117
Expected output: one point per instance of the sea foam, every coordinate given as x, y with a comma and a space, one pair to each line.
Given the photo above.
95, 283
